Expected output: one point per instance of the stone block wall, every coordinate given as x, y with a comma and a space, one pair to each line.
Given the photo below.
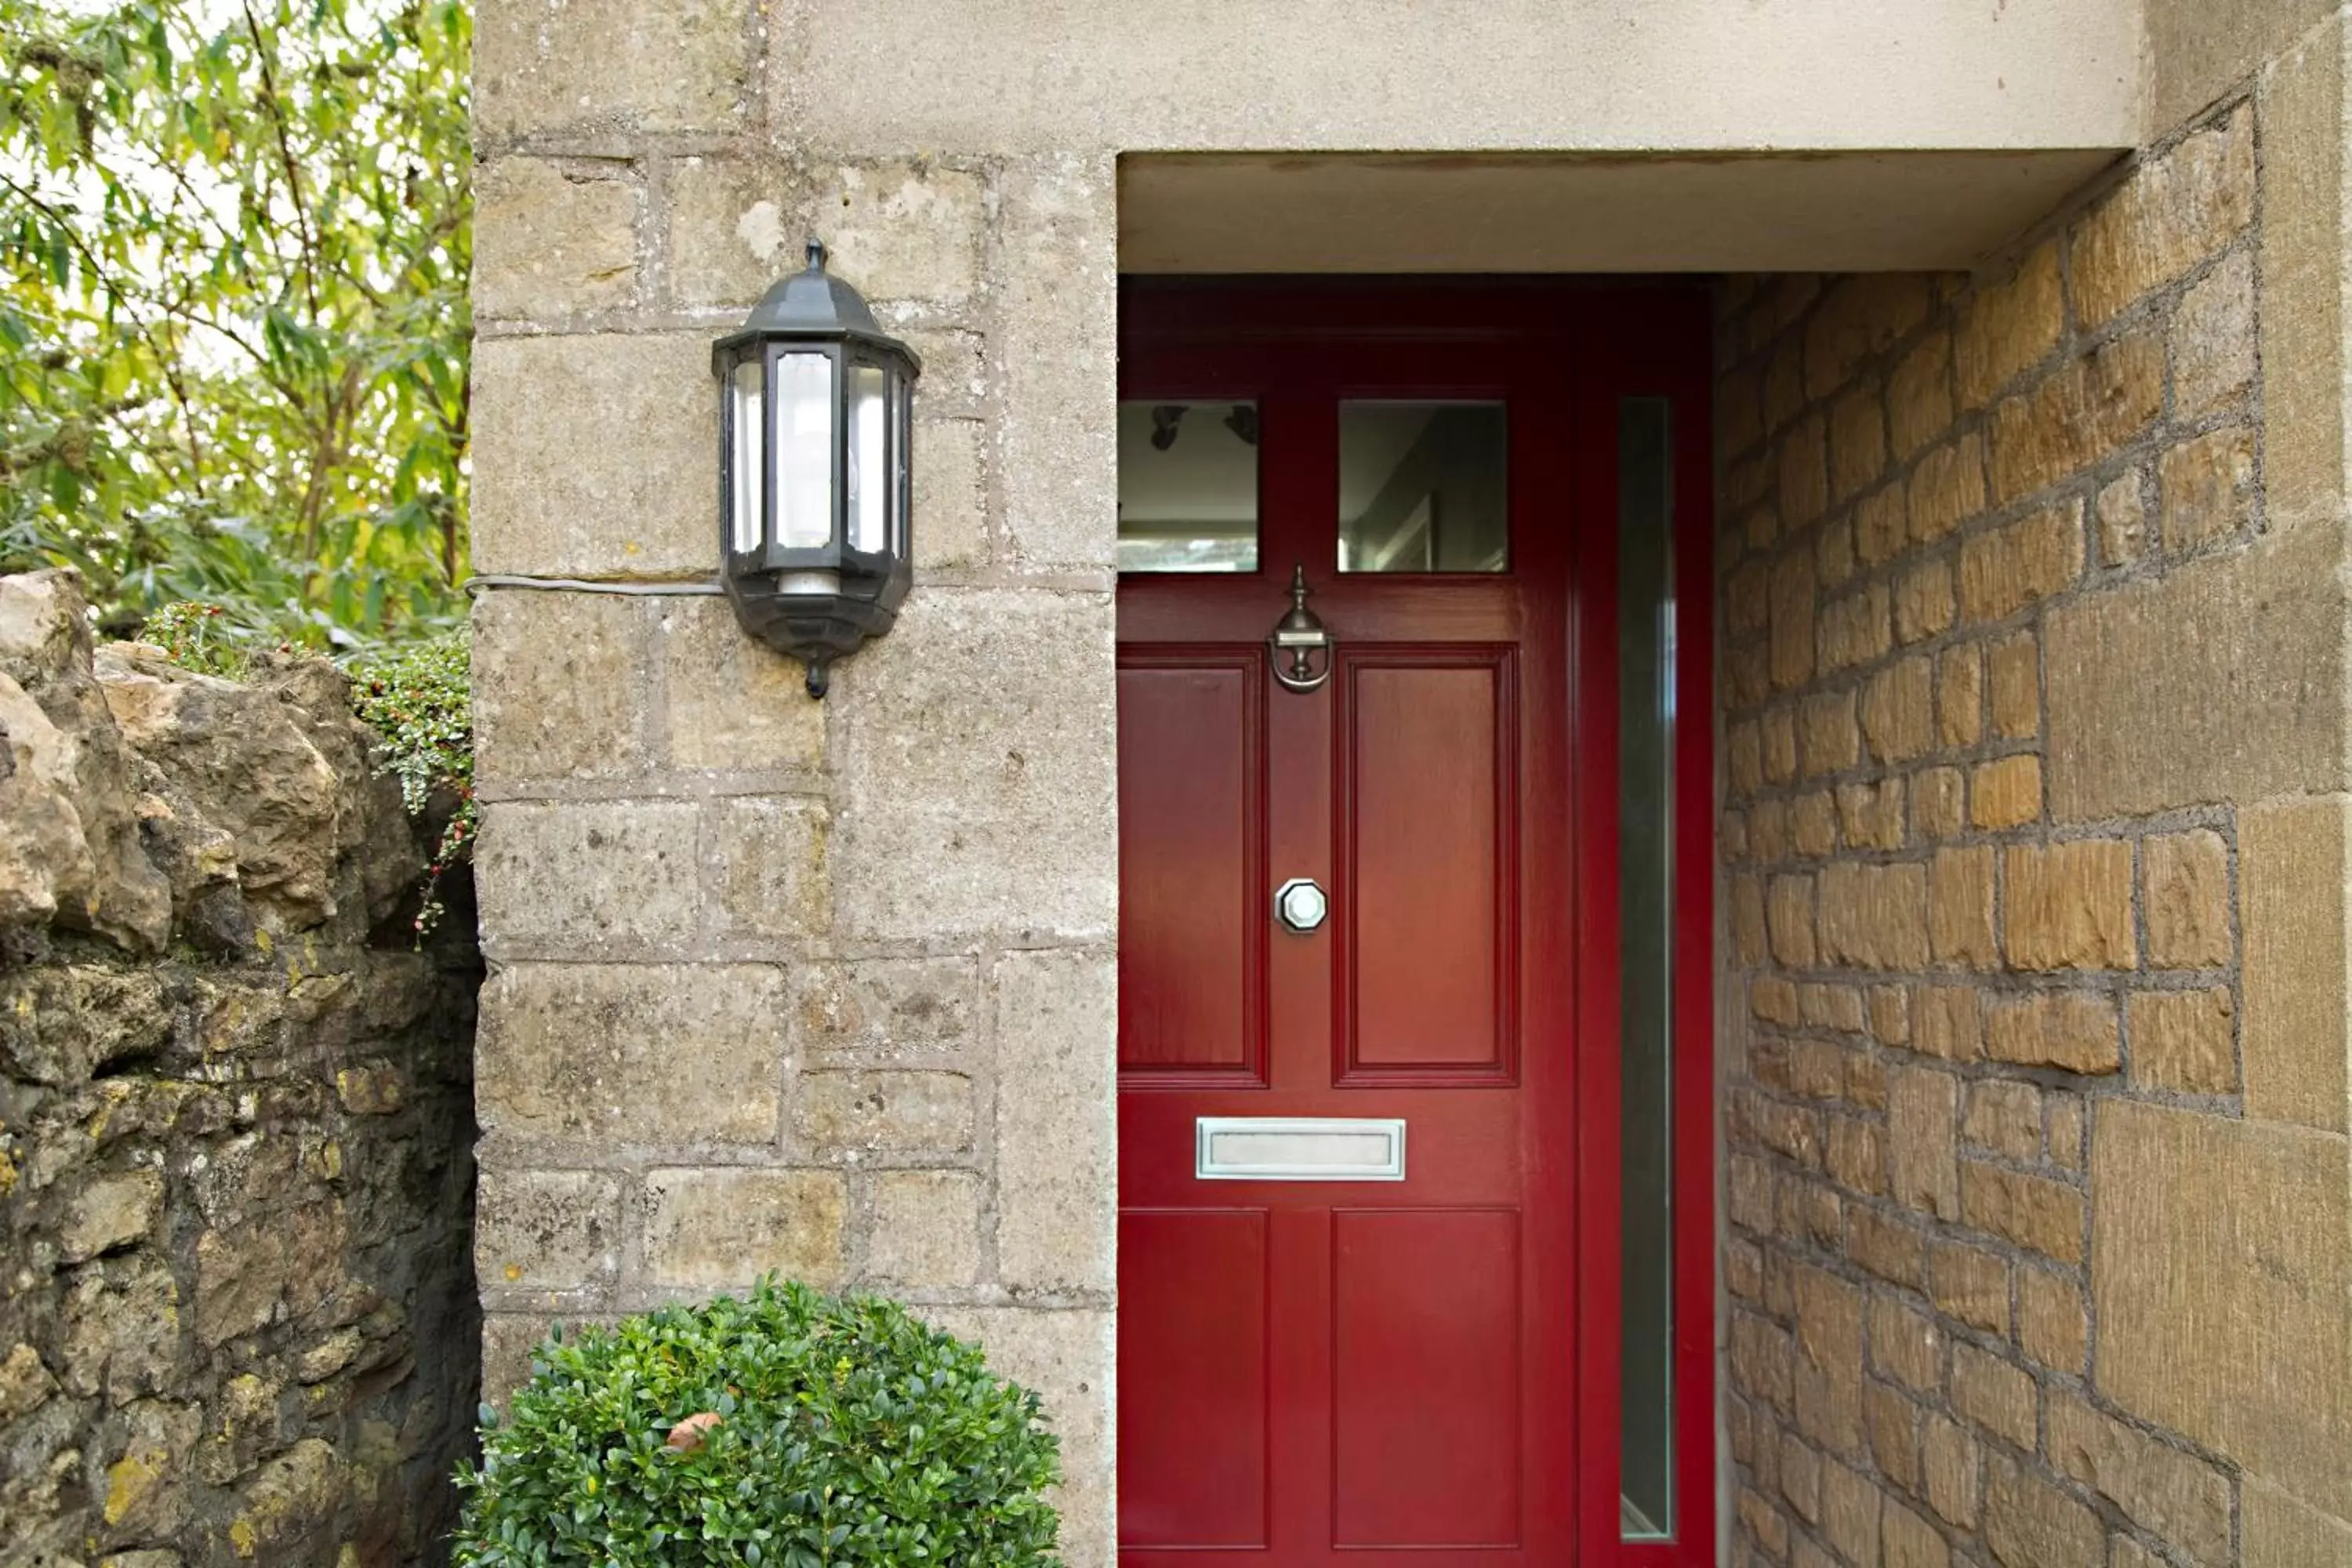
238, 1321
2040, 1226
823, 988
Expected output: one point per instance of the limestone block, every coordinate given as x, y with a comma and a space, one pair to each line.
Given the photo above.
1905, 1344
1996, 1395
1946, 489
1923, 601
1959, 908
1855, 1155
1790, 918
886, 1007
1882, 524
1833, 552
1947, 1464
1747, 919
1919, 396
589, 871
767, 864
723, 1227
2029, 1522
2300, 104
2164, 1492
2292, 881
551, 65
1778, 735
1898, 711
2052, 1327
1910, 1541
2121, 513
2208, 488
951, 493
1801, 482
2068, 905
1874, 917
2221, 1252
1936, 798
1857, 440
1791, 652
2008, 329
1826, 1375
561, 685
2213, 339
595, 456
2184, 898
1067, 1357
1057, 1138
2250, 705
2005, 792
736, 226
925, 1231
2034, 1212
975, 763
1861, 318
2175, 211
2013, 678
1870, 815
2277, 1531
1057, 270
2004, 570
732, 703
108, 1213
1946, 1022
1960, 695
1922, 1112
2083, 411
2004, 1115
665, 1054
904, 229
545, 1230
45, 865
553, 240
1856, 629
886, 1112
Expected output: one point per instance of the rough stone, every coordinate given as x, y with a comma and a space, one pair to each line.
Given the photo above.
1789, 917
926, 1229
1946, 1022
1937, 802
2080, 412
2293, 873
2175, 211
887, 1113
546, 67
732, 703
110, 1213
2213, 339
887, 1009
1857, 440
1881, 525
1996, 1395
2163, 1491
718, 1227
582, 873
2005, 792
2029, 1523
1910, 1541
2071, 1030
1898, 711
2205, 1221
1791, 598
555, 239
1947, 1464
2035, 1212
2301, 102
1923, 601
1919, 396
1969, 1284
2276, 1529
2004, 1115
903, 229
1947, 488
735, 225
2013, 679
1827, 1374
1874, 917
668, 1055
2121, 511
1959, 701
2052, 1327
1056, 1140
2068, 905
2008, 329
1922, 1112
2207, 487
2184, 1040
950, 504
767, 865
1870, 816
2185, 889
546, 1230
2004, 570
576, 715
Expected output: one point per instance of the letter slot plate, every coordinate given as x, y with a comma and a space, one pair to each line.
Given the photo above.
1298, 1149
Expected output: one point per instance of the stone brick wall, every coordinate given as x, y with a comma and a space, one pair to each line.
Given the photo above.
821, 988
236, 1323
2033, 744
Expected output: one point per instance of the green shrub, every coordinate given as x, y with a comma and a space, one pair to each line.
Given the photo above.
849, 1434
419, 700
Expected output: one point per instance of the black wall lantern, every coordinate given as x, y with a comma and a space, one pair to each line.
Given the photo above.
813, 515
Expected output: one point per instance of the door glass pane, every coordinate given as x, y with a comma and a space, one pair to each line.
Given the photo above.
1187, 487
869, 480
1421, 488
1645, 805
804, 400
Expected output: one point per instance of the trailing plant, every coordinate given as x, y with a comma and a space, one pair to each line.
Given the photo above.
788, 1430
418, 700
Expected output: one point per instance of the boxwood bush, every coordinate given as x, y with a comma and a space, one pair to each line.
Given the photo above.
847, 1433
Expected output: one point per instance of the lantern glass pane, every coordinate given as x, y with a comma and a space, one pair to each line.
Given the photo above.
803, 405
902, 464
747, 454
869, 472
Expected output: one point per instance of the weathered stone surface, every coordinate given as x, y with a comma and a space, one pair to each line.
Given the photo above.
2004, 1115
542, 715
2185, 889
2005, 792
2068, 905
545, 67
2010, 328
1922, 1112
660, 1055
732, 703
554, 238
1859, 318
886, 1112
886, 1008
903, 229
2173, 212
1857, 440
767, 864
582, 873
2034, 1212
1961, 908
1960, 695
926, 1229
715, 1227
974, 768
735, 225
1870, 816
1898, 711
614, 478
2300, 104
2070, 1029
2219, 1255
110, 1213
1827, 1374
2030, 1523
1802, 490
1856, 629
2249, 706
2121, 514
1873, 917
2293, 873
950, 516
1791, 609
2213, 338
2082, 411
1910, 1541
2051, 1324
1947, 1464
1919, 396
1790, 919
1057, 341
1946, 489
1996, 1395
1923, 601
546, 1230
2275, 1527
2207, 485
2166, 1492
2013, 680
2185, 1040
1056, 1140
1946, 1022
2004, 570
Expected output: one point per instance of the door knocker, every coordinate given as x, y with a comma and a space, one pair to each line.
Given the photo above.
1298, 634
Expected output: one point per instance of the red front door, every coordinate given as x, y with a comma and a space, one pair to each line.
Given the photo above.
1351, 1180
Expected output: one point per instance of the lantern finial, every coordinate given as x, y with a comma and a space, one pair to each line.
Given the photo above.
816, 254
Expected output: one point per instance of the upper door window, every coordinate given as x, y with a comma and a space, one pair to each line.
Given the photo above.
1187, 487
1422, 487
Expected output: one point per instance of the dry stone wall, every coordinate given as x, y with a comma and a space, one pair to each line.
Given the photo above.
2034, 728
237, 1319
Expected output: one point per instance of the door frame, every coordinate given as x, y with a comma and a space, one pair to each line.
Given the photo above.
1616, 339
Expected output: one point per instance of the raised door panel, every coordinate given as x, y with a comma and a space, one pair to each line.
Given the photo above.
1429, 787
1191, 951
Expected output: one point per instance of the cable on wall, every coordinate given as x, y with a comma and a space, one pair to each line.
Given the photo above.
581, 586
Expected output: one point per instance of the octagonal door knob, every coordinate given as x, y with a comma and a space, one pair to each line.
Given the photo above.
1301, 905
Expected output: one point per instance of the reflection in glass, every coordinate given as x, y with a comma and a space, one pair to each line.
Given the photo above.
869, 480
1645, 803
804, 442
1187, 487
1421, 488
749, 454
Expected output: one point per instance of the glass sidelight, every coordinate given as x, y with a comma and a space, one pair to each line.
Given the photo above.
1645, 808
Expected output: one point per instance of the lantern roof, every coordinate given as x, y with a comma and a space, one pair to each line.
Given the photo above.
812, 302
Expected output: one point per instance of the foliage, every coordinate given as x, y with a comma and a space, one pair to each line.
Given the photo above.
849, 1434
417, 700
201, 637
235, 239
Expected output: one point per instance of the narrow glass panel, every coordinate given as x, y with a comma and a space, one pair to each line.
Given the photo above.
1187, 487
902, 468
1421, 488
1645, 811
749, 454
870, 475
804, 400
